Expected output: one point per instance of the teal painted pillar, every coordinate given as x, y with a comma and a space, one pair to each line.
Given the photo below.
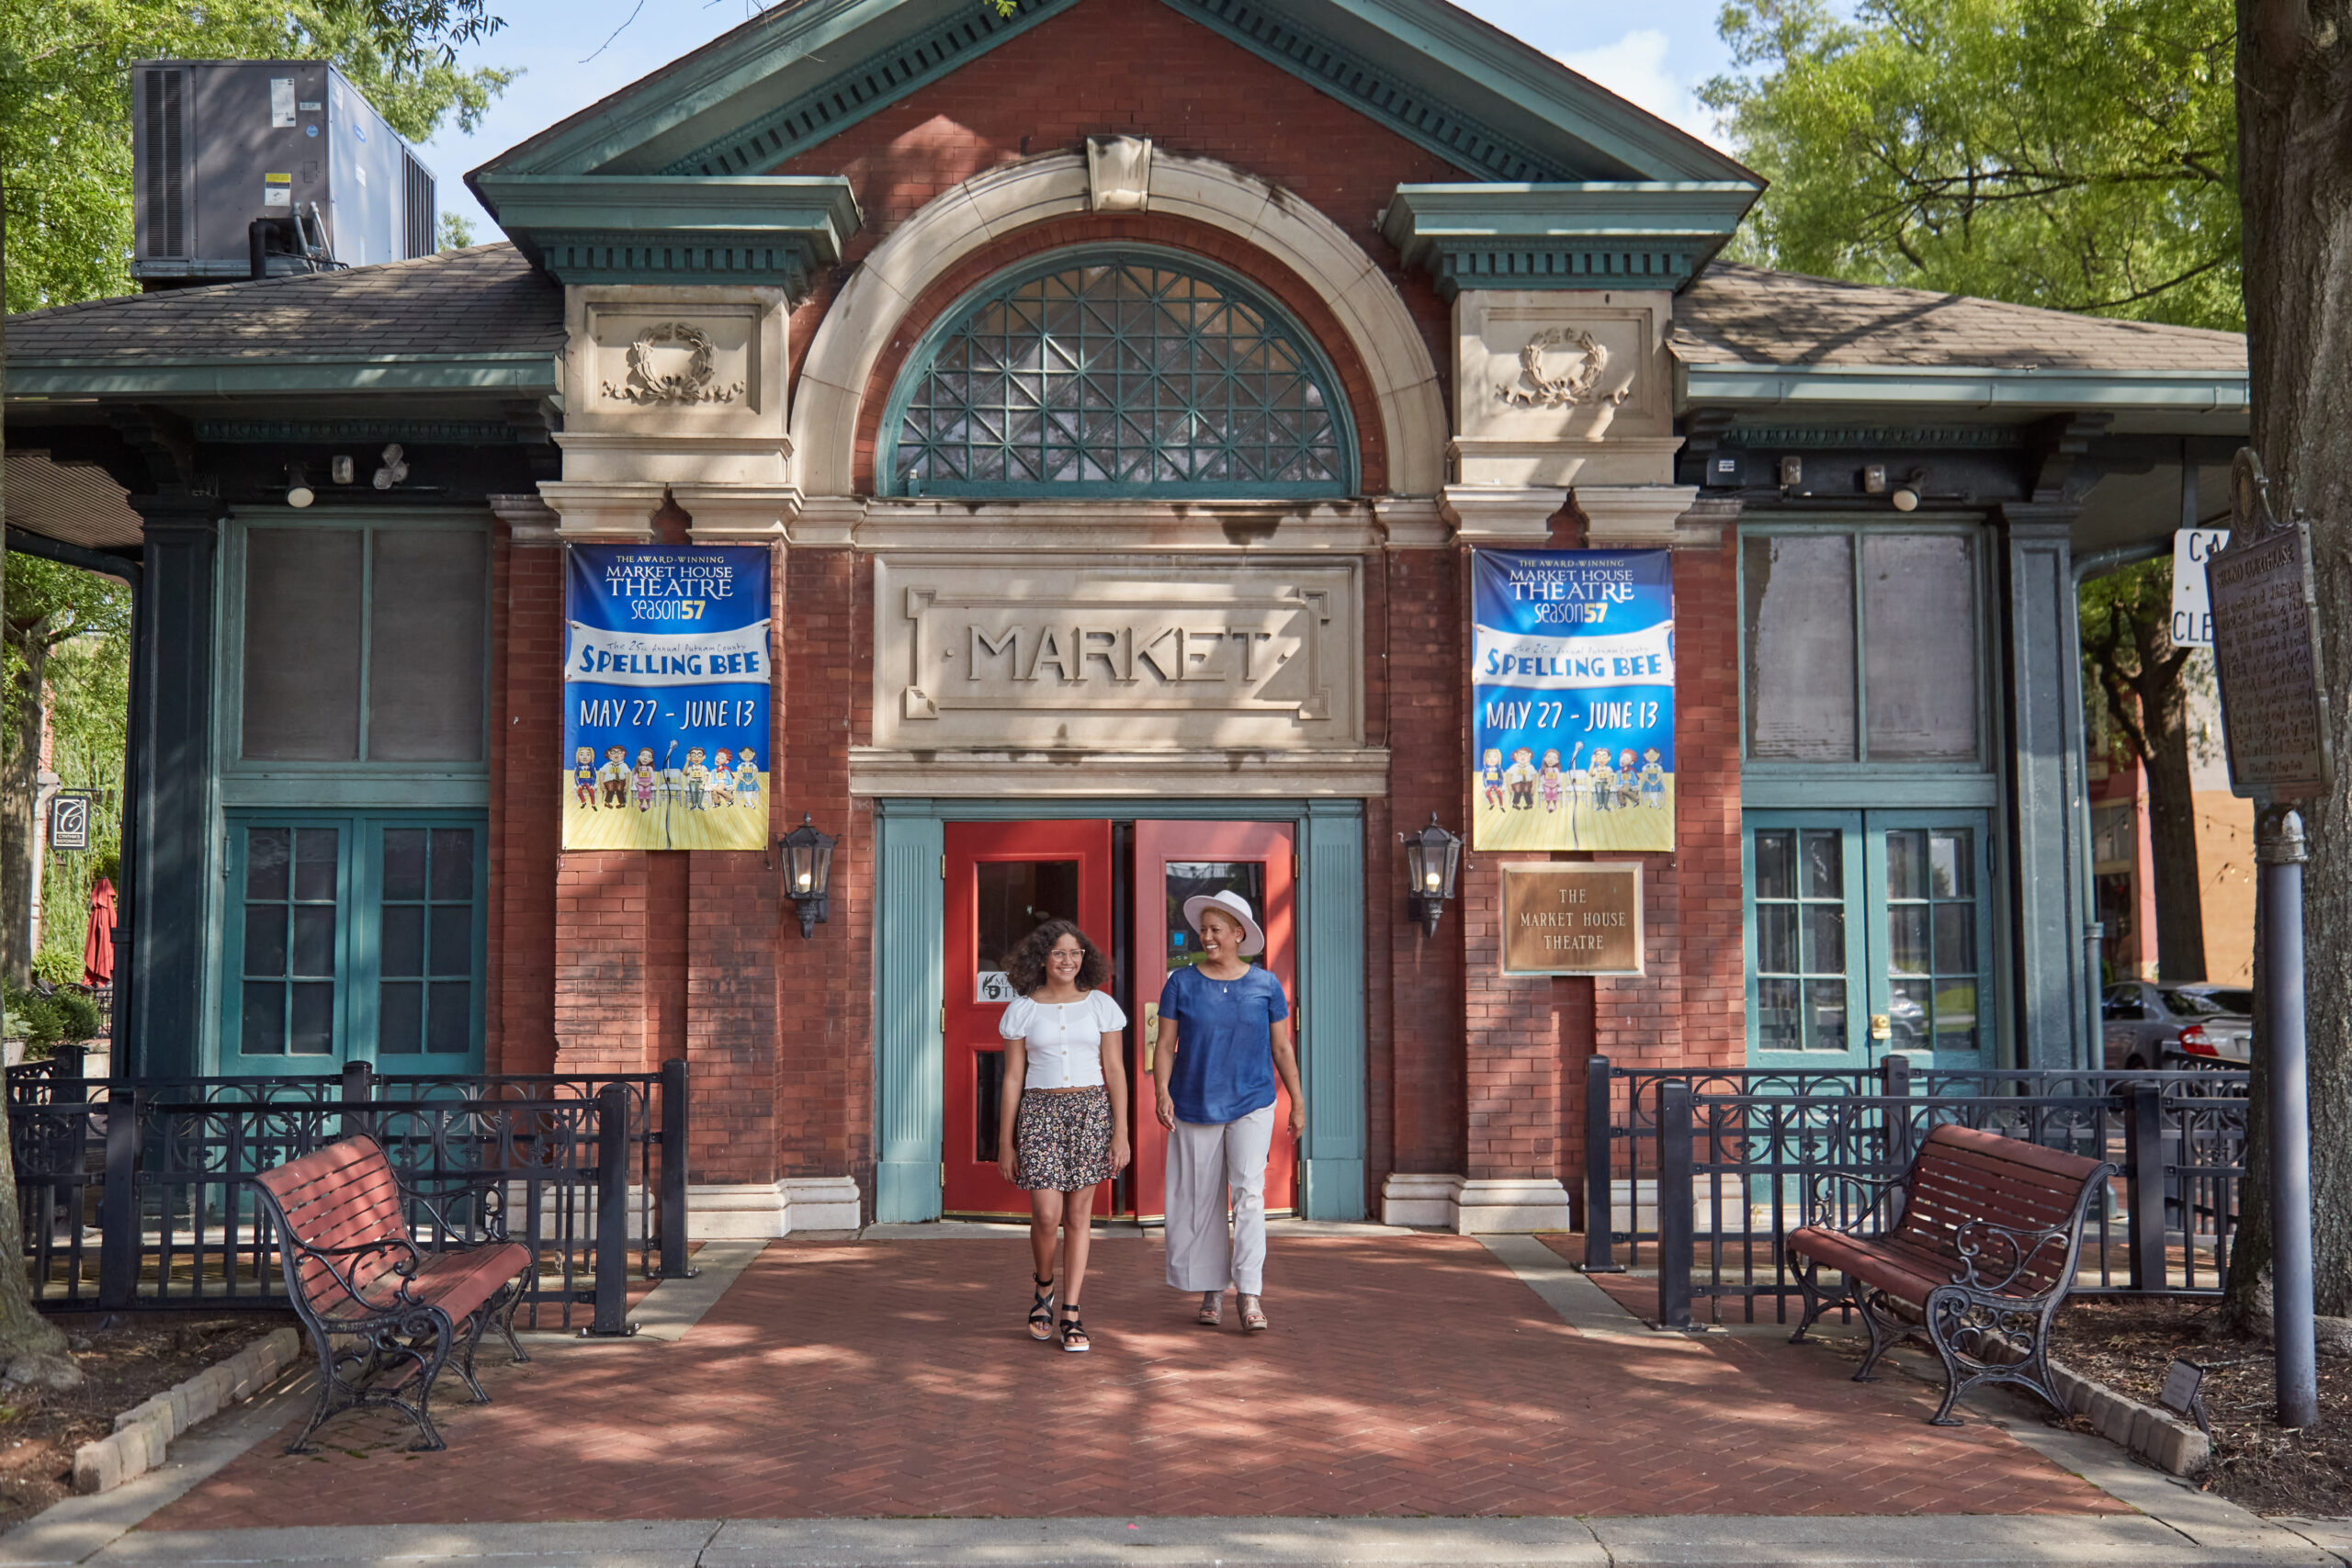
1331, 999
2046, 851
909, 1052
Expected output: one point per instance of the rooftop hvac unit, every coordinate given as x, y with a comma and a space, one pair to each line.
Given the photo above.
246, 168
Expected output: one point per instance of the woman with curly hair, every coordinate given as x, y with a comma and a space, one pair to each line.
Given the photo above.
1064, 1126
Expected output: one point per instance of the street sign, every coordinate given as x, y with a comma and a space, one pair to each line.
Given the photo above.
2266, 648
69, 819
2192, 617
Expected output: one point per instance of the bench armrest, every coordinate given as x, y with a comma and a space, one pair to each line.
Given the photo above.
338, 1262
1974, 1240
1819, 1213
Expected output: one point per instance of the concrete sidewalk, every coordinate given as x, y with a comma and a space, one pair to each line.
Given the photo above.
1422, 1400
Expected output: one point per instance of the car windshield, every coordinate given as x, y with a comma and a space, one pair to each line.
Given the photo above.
2211, 1004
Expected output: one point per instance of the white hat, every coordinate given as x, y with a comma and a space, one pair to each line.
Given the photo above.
1253, 941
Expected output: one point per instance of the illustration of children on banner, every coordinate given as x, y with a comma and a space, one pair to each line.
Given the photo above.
665, 680
1572, 662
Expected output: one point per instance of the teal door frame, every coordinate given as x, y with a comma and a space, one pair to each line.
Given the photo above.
910, 916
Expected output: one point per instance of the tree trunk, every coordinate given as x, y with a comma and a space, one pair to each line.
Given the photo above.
30, 1346
2295, 185
2172, 825
20, 799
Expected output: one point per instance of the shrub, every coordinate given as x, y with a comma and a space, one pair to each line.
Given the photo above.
78, 1015
58, 966
36, 1020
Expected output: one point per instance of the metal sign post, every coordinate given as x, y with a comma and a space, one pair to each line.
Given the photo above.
2273, 718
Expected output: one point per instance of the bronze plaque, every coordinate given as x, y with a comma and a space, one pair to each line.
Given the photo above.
1572, 919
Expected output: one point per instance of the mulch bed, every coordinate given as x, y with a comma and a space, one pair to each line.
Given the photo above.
122, 1366
2129, 1345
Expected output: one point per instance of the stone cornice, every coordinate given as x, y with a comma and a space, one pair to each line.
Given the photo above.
1588, 235
765, 230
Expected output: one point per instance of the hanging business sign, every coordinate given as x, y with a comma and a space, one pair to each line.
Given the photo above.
2266, 649
1575, 918
2192, 614
1572, 688
666, 659
69, 819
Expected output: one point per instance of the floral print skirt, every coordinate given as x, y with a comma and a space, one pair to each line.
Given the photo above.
1062, 1142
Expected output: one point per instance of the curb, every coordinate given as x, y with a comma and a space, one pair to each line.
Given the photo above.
2141, 1430
144, 1432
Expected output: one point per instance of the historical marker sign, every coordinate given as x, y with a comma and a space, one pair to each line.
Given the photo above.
2266, 649
1572, 919
69, 819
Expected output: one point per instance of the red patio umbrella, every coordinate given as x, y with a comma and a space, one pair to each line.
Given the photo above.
97, 948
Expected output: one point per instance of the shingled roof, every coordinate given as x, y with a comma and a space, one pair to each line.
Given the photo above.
1750, 315
484, 299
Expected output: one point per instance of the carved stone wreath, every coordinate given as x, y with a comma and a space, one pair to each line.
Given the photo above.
645, 385
1581, 382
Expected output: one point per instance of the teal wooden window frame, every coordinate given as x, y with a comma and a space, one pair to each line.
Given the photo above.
1134, 399
1869, 934
359, 905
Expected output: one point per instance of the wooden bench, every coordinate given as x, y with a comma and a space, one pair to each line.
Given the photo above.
1980, 1250
385, 1315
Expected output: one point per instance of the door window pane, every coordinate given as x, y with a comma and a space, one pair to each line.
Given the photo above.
426, 642
1015, 897
1799, 590
1931, 917
1193, 879
301, 658
424, 999
286, 992
1800, 940
1919, 646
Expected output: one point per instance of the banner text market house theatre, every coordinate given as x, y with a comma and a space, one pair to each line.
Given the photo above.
1144, 446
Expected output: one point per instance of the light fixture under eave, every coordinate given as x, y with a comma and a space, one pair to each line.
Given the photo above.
298, 486
1432, 858
807, 872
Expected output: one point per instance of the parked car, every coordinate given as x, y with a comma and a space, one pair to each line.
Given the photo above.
2143, 1021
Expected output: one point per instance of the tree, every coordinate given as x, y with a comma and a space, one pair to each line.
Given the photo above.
2294, 100
2128, 653
46, 605
2078, 154
65, 141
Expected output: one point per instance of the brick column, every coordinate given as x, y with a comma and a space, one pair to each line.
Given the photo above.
526, 824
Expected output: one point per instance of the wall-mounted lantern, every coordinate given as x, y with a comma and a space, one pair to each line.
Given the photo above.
1432, 857
807, 872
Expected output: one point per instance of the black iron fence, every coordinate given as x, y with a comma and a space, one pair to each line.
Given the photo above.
1705, 1173
140, 1194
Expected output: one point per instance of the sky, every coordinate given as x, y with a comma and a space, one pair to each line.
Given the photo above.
573, 52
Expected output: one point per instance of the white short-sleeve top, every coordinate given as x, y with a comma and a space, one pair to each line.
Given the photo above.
1064, 1039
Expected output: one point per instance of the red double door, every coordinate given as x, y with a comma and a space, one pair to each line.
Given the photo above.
1125, 884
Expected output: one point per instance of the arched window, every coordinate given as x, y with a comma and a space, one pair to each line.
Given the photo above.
1118, 373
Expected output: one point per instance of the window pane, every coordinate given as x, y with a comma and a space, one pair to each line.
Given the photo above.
453, 939
1799, 591
448, 1024
1825, 1015
1906, 870
1919, 646
1825, 864
1956, 939
1015, 897
427, 648
262, 1028
315, 851
1906, 929
1956, 1015
1776, 937
267, 852
301, 660
403, 862
1776, 1015
313, 1031
403, 939
1824, 940
1952, 859
400, 1016
453, 863
1908, 1015
1775, 866
264, 938
313, 940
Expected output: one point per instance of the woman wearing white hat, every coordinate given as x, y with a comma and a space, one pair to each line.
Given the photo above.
1224, 1036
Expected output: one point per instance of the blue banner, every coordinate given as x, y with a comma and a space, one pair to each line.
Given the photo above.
1572, 693
666, 659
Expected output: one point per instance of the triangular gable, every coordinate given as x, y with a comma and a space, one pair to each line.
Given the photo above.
801, 71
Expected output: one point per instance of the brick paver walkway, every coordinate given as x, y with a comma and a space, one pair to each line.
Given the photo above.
1405, 1375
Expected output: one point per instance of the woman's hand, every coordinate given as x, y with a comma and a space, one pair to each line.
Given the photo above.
1297, 1121
1120, 1153
1166, 1108
1004, 1161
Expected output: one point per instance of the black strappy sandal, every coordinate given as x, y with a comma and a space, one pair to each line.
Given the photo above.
1041, 1311
1074, 1332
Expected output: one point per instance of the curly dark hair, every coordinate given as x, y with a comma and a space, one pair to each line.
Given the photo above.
1027, 967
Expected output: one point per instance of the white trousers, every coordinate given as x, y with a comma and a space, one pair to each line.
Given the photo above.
1206, 1160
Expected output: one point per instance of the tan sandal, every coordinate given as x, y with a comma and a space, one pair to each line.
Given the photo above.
1212, 1311
1254, 1316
